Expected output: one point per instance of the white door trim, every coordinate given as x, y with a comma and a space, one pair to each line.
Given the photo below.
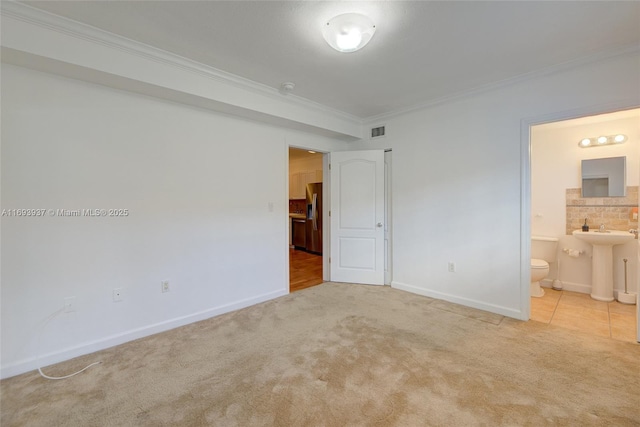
388, 212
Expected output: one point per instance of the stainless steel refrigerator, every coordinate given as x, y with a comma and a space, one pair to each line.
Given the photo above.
314, 218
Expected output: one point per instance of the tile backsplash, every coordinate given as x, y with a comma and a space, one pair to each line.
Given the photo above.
297, 206
616, 213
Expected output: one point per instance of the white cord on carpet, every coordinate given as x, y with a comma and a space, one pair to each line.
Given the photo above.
46, 322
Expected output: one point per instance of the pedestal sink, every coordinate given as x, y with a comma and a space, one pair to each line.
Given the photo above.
602, 260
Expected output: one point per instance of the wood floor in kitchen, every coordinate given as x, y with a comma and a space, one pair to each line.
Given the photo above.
305, 270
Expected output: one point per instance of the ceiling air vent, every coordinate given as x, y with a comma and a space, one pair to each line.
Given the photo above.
377, 132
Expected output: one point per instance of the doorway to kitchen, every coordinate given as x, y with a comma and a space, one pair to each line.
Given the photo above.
305, 218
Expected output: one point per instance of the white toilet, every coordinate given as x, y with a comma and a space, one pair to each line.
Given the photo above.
543, 251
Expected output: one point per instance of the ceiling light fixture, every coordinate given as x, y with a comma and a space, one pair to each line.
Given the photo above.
603, 140
348, 32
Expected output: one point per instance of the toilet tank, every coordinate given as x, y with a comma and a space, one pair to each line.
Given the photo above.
545, 248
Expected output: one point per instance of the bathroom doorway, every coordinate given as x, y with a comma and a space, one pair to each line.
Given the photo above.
556, 208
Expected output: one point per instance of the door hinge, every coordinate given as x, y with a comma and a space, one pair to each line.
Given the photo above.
329, 213
329, 260
329, 166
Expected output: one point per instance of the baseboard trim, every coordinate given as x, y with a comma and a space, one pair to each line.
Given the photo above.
568, 286
497, 309
134, 334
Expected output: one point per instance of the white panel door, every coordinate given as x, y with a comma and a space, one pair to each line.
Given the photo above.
357, 217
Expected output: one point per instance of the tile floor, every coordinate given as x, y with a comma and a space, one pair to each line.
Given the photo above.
577, 311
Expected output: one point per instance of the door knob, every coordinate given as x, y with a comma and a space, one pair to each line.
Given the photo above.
379, 224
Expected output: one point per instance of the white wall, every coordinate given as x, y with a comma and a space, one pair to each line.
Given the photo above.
556, 166
197, 186
457, 180
40, 40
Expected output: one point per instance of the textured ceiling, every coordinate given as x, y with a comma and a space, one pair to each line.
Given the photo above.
422, 51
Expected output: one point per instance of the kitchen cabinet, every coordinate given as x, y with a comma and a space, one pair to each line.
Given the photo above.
299, 232
298, 183
296, 190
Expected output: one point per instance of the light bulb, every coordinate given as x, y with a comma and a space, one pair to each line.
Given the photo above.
349, 40
602, 140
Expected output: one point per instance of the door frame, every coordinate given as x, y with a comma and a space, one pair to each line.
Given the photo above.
326, 197
525, 186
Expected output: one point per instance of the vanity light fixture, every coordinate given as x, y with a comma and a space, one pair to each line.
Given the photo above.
603, 140
348, 32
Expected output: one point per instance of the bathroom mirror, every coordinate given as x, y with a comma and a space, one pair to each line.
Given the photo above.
604, 177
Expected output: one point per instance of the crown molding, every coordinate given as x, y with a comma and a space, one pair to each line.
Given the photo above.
92, 34
554, 69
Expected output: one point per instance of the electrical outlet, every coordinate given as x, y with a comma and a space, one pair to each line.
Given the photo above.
69, 304
164, 286
452, 267
118, 295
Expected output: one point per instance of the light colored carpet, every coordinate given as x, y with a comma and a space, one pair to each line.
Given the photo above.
343, 355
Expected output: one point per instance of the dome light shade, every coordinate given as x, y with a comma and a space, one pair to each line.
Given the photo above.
348, 32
